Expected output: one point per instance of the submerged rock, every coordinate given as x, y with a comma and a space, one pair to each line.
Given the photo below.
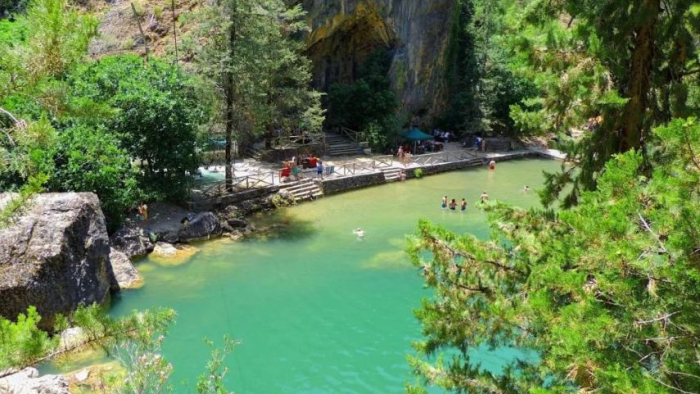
28, 381
172, 255
201, 226
125, 275
72, 338
131, 241
164, 249
54, 255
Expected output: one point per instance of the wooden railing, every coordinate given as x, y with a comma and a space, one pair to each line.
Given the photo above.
246, 182
383, 161
352, 134
291, 141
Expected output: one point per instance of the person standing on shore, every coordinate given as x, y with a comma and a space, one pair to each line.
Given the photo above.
143, 211
319, 169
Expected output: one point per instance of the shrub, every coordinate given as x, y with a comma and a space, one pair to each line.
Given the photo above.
157, 120
418, 173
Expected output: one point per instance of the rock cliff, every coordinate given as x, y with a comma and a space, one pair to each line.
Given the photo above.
55, 256
417, 32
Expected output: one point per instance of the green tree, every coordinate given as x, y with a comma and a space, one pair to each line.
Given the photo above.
605, 293
632, 63
481, 85
57, 36
369, 104
250, 53
88, 159
157, 121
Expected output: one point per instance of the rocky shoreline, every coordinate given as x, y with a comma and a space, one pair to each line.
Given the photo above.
56, 255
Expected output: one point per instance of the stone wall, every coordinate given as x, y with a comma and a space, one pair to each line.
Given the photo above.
444, 167
213, 203
340, 185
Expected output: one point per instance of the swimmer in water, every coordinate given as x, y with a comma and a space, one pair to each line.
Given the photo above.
444, 202
484, 197
464, 205
492, 165
453, 204
526, 189
359, 232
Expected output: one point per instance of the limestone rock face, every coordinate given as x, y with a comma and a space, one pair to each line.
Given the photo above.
125, 275
202, 226
55, 256
417, 32
131, 242
27, 381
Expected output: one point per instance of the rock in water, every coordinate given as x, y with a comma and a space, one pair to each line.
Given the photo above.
164, 249
54, 255
202, 226
131, 242
125, 275
27, 381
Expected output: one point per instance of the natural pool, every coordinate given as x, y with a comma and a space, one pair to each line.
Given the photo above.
316, 309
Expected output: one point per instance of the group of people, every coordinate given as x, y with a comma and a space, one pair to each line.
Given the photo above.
292, 168
442, 135
453, 204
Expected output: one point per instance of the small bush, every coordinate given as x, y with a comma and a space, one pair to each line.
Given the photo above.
128, 44
418, 173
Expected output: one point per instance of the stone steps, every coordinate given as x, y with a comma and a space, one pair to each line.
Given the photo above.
339, 145
304, 190
392, 174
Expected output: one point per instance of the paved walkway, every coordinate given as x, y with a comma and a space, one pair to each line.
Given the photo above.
269, 173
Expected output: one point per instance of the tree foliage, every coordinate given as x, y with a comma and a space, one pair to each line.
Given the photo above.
92, 159
369, 104
481, 85
157, 120
251, 54
632, 64
24, 344
604, 293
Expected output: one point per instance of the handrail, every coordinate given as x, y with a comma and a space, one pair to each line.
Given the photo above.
246, 182
352, 134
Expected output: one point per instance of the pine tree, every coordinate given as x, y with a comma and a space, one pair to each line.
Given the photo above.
631, 64
249, 51
601, 297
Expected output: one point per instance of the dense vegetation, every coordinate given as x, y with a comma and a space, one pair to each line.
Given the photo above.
128, 128
481, 80
602, 295
368, 105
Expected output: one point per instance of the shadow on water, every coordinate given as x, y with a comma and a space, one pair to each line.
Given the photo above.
281, 226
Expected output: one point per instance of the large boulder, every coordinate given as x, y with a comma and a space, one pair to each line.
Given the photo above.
28, 381
131, 241
125, 275
54, 255
201, 226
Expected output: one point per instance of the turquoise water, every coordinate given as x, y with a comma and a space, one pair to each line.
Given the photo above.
316, 309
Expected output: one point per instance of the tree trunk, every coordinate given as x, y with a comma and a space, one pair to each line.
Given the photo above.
632, 130
230, 91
